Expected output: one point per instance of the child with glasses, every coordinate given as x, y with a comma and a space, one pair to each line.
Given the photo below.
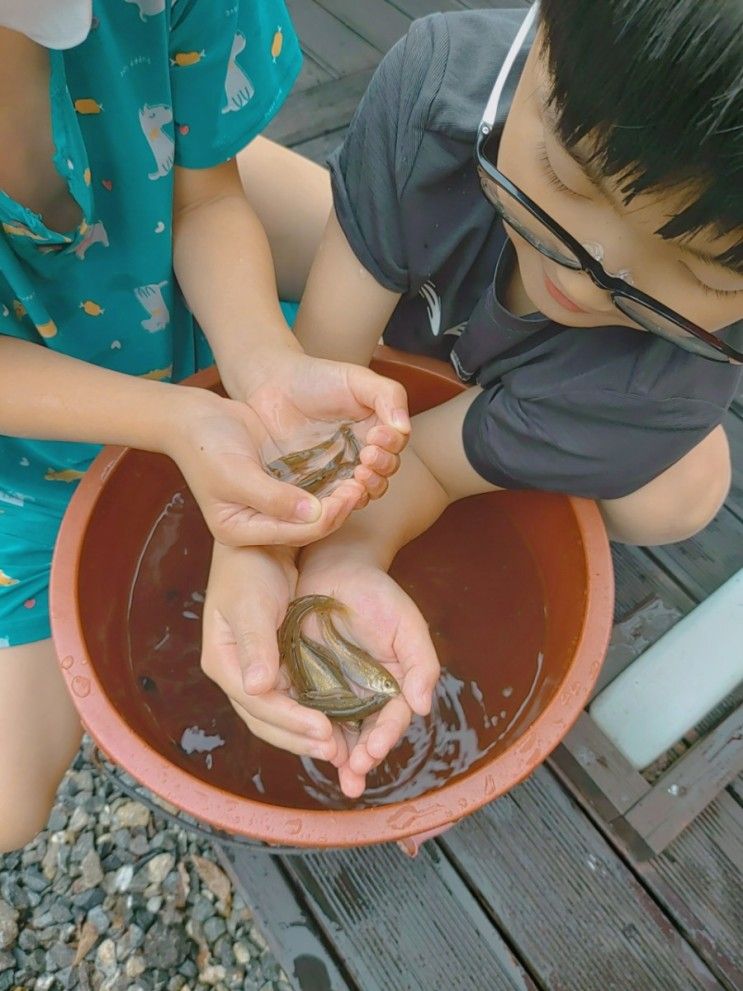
130, 256
552, 201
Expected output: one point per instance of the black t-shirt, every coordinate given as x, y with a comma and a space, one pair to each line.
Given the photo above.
594, 412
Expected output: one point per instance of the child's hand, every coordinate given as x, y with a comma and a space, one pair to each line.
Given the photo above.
247, 596
295, 394
221, 445
385, 621
217, 444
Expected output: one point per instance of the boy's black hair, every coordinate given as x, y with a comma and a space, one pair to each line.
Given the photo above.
659, 85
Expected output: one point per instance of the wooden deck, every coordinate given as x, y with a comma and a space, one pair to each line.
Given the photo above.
531, 892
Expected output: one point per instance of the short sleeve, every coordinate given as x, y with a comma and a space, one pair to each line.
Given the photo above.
370, 169
596, 444
232, 63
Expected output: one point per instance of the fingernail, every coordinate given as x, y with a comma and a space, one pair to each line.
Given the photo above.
308, 510
400, 419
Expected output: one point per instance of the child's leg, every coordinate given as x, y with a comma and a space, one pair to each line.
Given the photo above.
291, 195
39, 735
678, 503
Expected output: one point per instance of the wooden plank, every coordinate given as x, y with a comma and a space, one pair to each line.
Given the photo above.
570, 905
310, 75
608, 780
690, 784
331, 44
736, 789
704, 562
698, 880
317, 111
318, 149
290, 932
634, 634
638, 578
376, 21
407, 925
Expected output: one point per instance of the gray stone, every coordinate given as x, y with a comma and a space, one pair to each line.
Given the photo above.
6, 981
57, 820
214, 927
212, 974
138, 845
242, 951
105, 957
160, 866
165, 946
60, 956
130, 814
87, 900
202, 909
123, 878
99, 918
78, 820
112, 862
7, 960
135, 966
83, 845
91, 873
27, 940
132, 939
13, 893
35, 881
8, 925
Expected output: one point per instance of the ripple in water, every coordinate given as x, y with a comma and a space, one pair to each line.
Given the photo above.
456, 734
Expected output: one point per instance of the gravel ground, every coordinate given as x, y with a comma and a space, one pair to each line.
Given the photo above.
111, 898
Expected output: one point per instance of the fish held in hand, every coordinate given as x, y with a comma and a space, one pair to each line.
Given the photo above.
309, 470
321, 672
355, 663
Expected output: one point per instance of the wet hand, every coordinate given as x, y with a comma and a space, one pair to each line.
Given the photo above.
217, 443
385, 621
247, 595
296, 396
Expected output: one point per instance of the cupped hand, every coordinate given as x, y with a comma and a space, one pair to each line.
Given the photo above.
385, 621
222, 446
247, 595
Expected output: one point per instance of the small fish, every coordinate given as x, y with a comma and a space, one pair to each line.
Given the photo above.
318, 671
344, 706
301, 468
355, 663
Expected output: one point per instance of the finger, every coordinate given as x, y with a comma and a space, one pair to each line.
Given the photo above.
295, 743
387, 398
374, 485
386, 438
352, 784
379, 461
247, 529
287, 714
257, 647
380, 736
417, 655
267, 495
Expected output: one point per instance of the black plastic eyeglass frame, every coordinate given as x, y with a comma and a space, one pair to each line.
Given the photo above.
618, 288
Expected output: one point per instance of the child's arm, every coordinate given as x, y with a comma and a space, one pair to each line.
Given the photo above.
223, 263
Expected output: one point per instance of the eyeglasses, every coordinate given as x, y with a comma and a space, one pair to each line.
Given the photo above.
522, 214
